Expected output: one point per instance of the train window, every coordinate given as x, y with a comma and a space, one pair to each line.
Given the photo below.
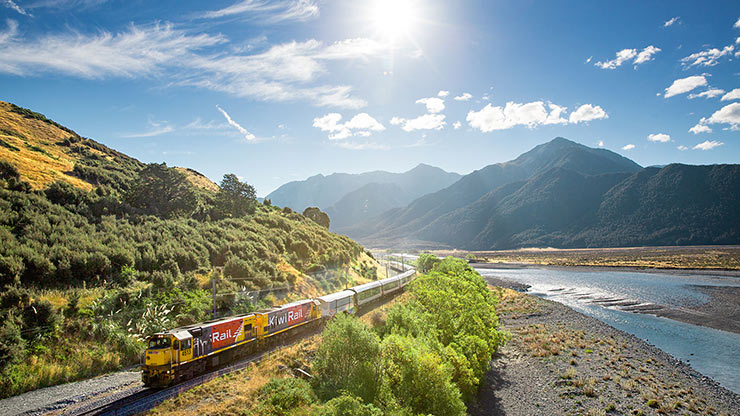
157, 343
248, 330
176, 345
187, 344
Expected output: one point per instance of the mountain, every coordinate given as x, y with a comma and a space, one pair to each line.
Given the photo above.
562, 194
405, 223
367, 202
348, 199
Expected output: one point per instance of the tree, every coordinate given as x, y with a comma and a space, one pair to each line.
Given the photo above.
355, 370
318, 216
235, 198
163, 192
426, 262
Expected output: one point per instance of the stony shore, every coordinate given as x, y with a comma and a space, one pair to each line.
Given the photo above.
560, 361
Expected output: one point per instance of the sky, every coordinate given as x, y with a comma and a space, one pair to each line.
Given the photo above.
277, 91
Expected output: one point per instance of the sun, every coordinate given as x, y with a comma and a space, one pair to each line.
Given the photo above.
393, 18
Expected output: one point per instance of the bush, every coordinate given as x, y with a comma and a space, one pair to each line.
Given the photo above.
279, 396
346, 405
426, 262
418, 378
12, 344
354, 369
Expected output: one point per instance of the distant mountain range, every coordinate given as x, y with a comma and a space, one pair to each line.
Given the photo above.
564, 194
353, 198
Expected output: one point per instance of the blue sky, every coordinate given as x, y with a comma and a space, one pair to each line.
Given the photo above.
281, 90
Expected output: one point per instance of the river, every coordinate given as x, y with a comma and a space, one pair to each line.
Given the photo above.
711, 352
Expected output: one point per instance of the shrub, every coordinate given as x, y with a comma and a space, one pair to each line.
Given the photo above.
418, 378
280, 395
12, 344
346, 405
355, 370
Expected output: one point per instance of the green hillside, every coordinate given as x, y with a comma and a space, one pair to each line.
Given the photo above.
97, 250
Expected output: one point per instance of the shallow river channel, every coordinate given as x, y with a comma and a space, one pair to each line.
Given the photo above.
712, 352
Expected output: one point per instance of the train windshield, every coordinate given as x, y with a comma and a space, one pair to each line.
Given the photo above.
156, 343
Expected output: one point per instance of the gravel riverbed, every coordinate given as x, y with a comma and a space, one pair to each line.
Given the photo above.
560, 361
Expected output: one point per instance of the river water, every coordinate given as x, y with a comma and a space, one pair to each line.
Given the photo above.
711, 352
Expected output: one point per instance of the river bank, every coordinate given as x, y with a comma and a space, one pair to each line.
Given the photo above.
560, 361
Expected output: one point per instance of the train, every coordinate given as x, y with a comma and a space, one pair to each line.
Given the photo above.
185, 352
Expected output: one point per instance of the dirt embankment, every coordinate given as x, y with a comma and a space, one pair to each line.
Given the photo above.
559, 361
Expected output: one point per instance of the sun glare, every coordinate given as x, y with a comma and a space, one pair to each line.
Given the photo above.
393, 18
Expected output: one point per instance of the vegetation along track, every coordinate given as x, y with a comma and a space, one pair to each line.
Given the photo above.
139, 399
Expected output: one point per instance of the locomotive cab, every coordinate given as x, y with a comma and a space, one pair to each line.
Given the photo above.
164, 353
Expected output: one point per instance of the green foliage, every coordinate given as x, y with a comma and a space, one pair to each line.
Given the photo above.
418, 378
346, 405
280, 395
164, 192
355, 369
452, 309
235, 198
426, 262
318, 216
12, 344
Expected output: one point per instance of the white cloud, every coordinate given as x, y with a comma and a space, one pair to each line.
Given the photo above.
555, 116
700, 128
601, 143
138, 51
682, 148
283, 72
646, 55
626, 55
456, 125
590, 58
361, 124
433, 104
491, 118
684, 85
710, 93
729, 114
737, 24
707, 145
622, 56
628, 147
732, 95
361, 146
587, 112
670, 22
269, 12
709, 57
157, 128
8, 34
659, 137
424, 122
12, 5
443, 93
247, 135
464, 97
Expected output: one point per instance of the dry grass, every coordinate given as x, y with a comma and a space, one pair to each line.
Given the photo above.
38, 159
514, 304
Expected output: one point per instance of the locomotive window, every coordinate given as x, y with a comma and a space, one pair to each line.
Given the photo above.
176, 345
157, 343
187, 344
248, 330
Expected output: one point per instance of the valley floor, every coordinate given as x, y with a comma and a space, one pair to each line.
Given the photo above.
559, 361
